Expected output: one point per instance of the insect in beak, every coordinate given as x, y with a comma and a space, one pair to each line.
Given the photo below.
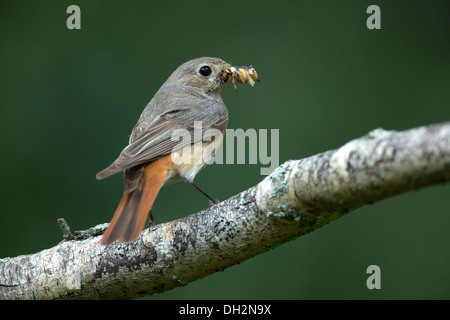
242, 75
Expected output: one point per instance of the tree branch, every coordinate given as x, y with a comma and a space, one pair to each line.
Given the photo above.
298, 197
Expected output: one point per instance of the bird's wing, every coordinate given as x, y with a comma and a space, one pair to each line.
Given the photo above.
156, 141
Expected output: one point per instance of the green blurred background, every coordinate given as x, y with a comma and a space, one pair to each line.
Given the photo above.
69, 99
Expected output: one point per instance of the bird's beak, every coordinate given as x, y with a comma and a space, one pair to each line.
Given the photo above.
226, 75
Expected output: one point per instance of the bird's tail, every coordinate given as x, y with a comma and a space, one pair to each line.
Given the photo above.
133, 209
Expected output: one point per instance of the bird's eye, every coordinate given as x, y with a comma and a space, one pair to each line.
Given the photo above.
205, 71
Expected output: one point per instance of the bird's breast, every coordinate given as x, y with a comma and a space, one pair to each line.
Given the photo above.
191, 160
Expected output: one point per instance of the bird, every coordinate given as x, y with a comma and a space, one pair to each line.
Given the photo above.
191, 95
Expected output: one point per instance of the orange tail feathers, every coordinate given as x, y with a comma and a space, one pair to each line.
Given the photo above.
131, 214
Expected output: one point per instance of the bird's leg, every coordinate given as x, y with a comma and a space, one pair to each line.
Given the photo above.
212, 201
151, 222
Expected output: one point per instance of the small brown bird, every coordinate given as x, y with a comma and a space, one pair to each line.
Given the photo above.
192, 93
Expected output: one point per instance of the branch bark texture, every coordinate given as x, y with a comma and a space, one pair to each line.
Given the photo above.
298, 197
